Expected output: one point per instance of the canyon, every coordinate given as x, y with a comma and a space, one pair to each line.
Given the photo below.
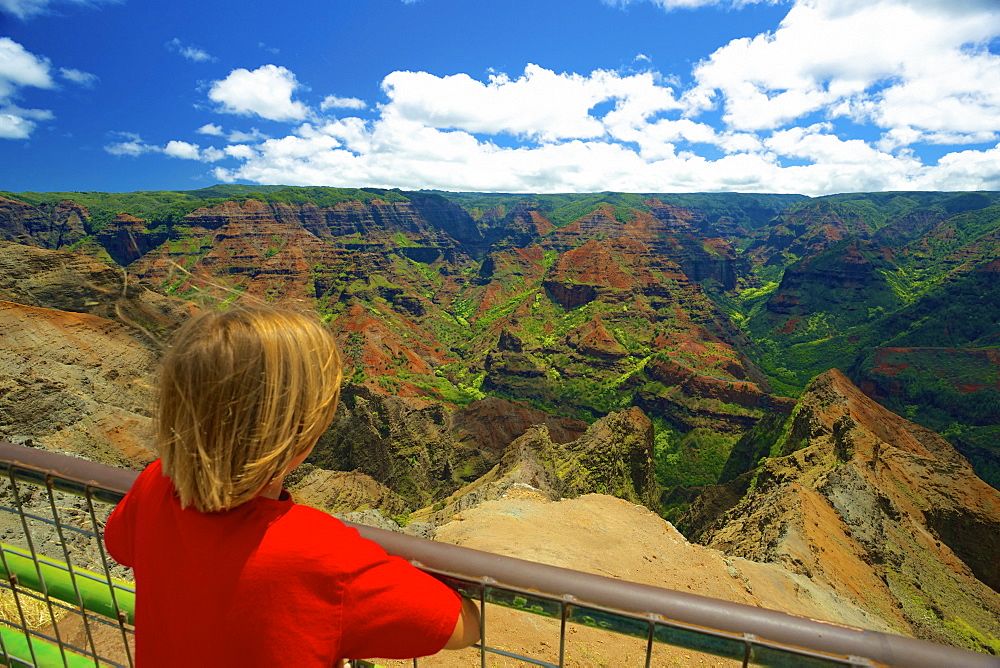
749, 369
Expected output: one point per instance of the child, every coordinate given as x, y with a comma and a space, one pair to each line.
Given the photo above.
229, 570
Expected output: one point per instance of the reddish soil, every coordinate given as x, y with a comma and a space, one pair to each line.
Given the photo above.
790, 326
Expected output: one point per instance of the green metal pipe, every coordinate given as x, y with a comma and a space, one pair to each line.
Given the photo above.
47, 654
94, 588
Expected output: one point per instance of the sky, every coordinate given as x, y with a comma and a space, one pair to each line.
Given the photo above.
787, 96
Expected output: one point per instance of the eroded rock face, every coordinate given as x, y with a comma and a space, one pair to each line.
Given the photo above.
884, 510
527, 465
426, 452
80, 343
244, 250
75, 382
343, 491
521, 226
50, 227
126, 238
404, 443
493, 423
833, 282
630, 275
72, 282
808, 229
735, 387
614, 456
593, 340
444, 460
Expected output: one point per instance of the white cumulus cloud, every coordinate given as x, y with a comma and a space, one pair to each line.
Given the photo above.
132, 145
334, 102
254, 135
19, 68
920, 65
840, 97
540, 103
211, 129
129, 144
17, 123
182, 149
266, 92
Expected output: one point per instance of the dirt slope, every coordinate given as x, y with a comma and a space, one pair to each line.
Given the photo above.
614, 538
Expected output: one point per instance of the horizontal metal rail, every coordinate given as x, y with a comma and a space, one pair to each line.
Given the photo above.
741, 632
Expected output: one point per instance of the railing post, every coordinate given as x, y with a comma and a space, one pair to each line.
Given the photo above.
649, 641
564, 606
482, 623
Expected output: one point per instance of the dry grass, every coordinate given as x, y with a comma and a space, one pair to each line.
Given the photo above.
36, 612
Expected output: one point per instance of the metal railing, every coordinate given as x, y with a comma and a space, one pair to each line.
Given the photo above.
60, 604
56, 505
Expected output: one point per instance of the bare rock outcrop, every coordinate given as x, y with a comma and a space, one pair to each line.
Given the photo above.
55, 226
75, 382
80, 345
614, 456
76, 283
493, 424
126, 238
343, 491
429, 454
402, 442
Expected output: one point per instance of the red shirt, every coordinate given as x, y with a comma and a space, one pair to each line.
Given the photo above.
267, 583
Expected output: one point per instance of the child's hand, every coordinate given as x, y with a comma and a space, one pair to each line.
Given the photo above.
344, 663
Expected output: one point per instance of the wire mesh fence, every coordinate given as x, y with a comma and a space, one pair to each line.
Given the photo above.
61, 603
64, 602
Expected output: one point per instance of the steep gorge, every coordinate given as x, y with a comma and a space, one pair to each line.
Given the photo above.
524, 354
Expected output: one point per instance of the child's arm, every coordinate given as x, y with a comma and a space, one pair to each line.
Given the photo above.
466, 628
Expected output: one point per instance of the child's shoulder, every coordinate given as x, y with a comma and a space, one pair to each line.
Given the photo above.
151, 480
317, 524
316, 534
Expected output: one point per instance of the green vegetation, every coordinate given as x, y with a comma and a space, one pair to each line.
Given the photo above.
791, 367
929, 298
802, 298
738, 209
167, 207
693, 459
755, 445
973, 639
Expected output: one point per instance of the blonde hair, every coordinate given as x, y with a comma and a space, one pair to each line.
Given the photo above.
242, 393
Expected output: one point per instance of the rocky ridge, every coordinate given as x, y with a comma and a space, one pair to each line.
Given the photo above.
614, 538
616, 311
54, 227
76, 383
884, 511
434, 460
614, 456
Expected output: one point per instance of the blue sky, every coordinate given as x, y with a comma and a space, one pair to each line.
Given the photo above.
805, 96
